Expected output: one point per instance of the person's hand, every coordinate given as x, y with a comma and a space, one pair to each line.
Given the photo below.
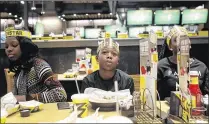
20, 98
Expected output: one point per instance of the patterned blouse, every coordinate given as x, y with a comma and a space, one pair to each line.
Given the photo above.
40, 82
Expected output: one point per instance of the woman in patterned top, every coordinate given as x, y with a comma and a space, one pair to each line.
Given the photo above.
33, 76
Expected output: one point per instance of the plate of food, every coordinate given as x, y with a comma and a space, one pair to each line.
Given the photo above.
105, 100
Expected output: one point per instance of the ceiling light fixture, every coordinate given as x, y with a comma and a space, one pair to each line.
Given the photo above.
42, 11
110, 13
87, 14
33, 7
63, 15
10, 13
22, 2
99, 14
123, 15
74, 14
15, 16
59, 17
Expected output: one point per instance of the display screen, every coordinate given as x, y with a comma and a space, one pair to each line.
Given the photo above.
91, 33
113, 28
154, 28
167, 17
72, 31
195, 16
134, 31
139, 17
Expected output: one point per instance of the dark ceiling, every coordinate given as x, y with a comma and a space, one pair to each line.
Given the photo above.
103, 7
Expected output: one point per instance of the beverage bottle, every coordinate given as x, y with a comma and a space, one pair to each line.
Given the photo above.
195, 92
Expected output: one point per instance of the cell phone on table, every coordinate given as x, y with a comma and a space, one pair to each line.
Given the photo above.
63, 105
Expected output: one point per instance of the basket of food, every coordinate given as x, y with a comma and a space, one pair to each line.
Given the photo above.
32, 105
105, 100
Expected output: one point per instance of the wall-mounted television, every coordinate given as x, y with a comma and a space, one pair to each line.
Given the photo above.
194, 16
92, 33
139, 17
167, 17
113, 28
154, 28
72, 29
134, 31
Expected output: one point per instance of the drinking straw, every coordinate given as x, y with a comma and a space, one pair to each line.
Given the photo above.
76, 82
116, 91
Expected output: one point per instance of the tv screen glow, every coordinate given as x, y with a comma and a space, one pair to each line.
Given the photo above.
195, 16
167, 17
139, 17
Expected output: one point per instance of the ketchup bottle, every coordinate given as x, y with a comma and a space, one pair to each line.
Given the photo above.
195, 92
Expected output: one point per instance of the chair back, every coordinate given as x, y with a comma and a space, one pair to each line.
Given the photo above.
136, 79
10, 80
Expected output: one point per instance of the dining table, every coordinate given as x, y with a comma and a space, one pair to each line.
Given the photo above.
50, 113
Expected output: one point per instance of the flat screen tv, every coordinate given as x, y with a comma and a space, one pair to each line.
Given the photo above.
139, 17
167, 17
92, 33
195, 16
113, 28
134, 31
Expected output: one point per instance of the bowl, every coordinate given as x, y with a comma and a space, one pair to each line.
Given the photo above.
104, 106
25, 113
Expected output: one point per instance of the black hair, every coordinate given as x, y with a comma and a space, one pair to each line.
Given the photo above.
29, 51
165, 51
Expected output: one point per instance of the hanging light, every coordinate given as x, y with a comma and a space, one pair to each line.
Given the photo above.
123, 15
42, 11
33, 7
22, 2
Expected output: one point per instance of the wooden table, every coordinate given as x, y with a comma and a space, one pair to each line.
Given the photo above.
50, 113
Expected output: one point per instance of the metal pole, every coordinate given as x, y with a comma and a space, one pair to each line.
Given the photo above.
207, 26
25, 17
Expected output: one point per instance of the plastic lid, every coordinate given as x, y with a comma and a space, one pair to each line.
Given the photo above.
194, 73
80, 96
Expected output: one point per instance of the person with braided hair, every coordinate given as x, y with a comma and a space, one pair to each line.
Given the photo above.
167, 75
33, 78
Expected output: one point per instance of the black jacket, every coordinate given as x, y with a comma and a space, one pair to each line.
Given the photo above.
167, 76
94, 80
